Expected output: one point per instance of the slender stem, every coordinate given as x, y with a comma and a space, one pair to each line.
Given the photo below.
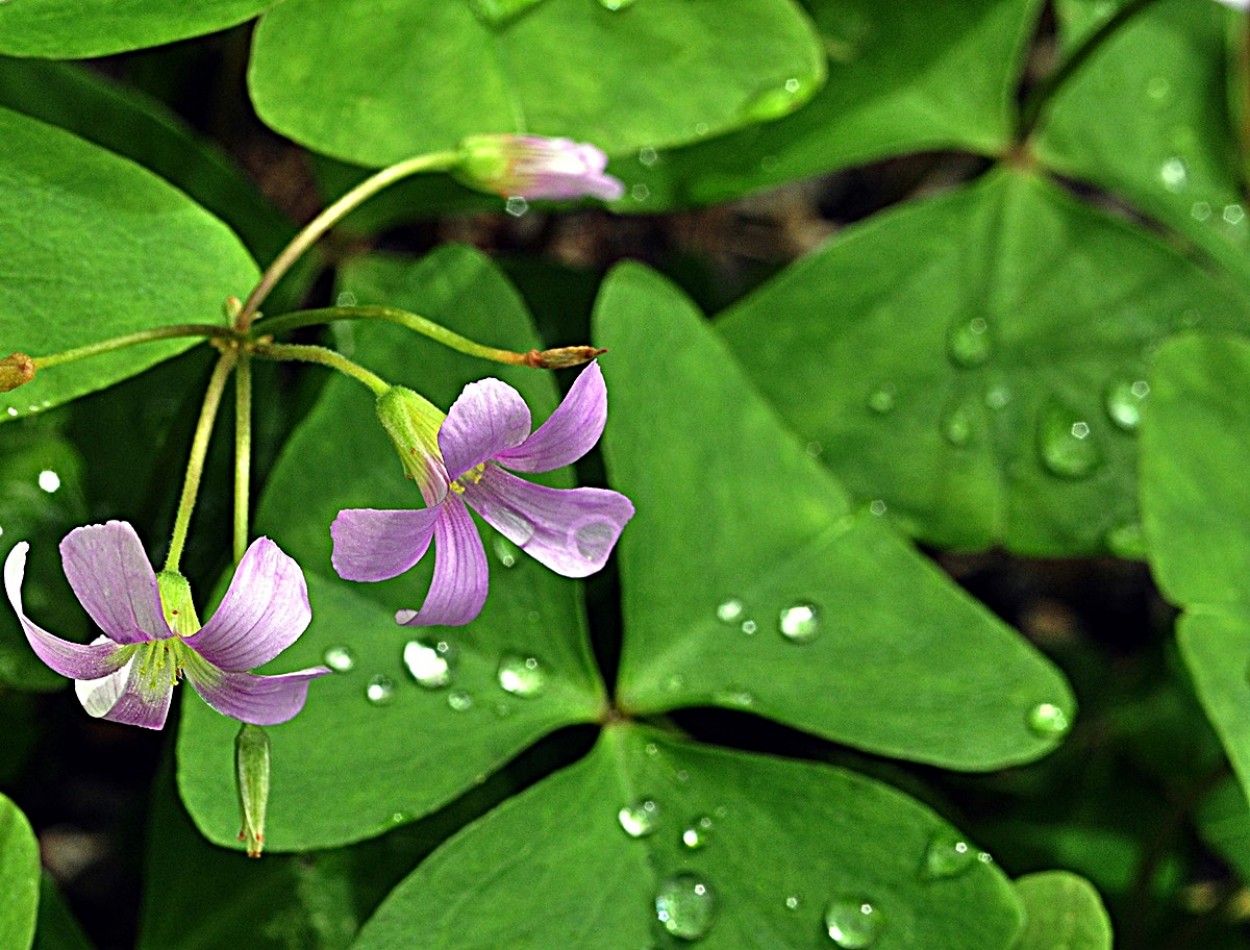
130, 339
242, 452
1044, 92
199, 449
414, 322
319, 225
324, 357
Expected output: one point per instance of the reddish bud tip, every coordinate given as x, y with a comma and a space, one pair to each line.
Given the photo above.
16, 369
562, 357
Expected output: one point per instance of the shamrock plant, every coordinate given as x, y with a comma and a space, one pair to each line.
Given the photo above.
717, 474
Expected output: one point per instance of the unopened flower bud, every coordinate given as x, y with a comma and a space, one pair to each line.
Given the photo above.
16, 369
562, 357
251, 760
534, 166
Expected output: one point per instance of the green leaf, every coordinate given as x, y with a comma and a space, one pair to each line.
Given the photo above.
942, 77
1168, 145
741, 534
994, 338
368, 766
95, 247
1062, 912
75, 29
1197, 520
650, 74
789, 847
19, 877
57, 928
1223, 820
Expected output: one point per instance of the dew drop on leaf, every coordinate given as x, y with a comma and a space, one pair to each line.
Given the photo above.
639, 819
685, 905
730, 610
522, 676
853, 923
1174, 175
968, 342
1066, 443
947, 855
427, 664
1048, 720
749, 627
957, 422
882, 399
697, 833
616, 5
339, 659
380, 691
800, 622
1124, 401
792, 902
459, 701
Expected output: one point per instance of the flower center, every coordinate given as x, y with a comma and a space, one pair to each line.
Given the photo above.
158, 665
471, 477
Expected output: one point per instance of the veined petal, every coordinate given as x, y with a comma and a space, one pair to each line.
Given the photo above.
570, 530
569, 433
264, 611
461, 576
77, 660
125, 697
487, 417
373, 545
114, 581
251, 697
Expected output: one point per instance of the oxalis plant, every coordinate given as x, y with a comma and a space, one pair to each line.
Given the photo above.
683, 608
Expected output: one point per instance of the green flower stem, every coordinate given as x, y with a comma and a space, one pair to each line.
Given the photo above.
242, 452
414, 322
323, 357
130, 339
436, 161
199, 449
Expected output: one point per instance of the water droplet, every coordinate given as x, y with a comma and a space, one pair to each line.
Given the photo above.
651, 749
640, 192
49, 481
506, 552
957, 422
1233, 214
516, 206
459, 701
521, 676
1124, 401
616, 5
968, 342
12, 410
814, 449
1158, 89
853, 923
1127, 541
698, 833
594, 539
380, 690
800, 622
1200, 211
947, 855
686, 905
877, 507
345, 299
647, 156
1066, 444
639, 819
1047, 720
749, 627
735, 696
881, 400
517, 529
730, 610
429, 662
774, 101
997, 397
792, 902
700, 128
1174, 175
339, 659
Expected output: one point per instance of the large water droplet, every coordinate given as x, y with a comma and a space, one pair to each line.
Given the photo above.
1066, 444
1125, 400
506, 552
380, 691
853, 923
521, 676
49, 481
429, 662
957, 422
639, 819
686, 905
616, 5
947, 855
594, 539
339, 659
730, 610
516, 206
1047, 720
800, 622
698, 833
772, 102
968, 342
881, 400
1174, 175
459, 701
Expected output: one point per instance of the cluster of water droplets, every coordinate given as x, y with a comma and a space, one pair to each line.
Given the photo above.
798, 622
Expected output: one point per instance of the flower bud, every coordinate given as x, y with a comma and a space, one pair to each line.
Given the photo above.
251, 760
562, 357
412, 422
534, 166
16, 369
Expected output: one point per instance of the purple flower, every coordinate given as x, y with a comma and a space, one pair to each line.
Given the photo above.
534, 166
572, 531
152, 636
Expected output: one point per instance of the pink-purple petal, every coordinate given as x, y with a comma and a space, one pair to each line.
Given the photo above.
569, 433
570, 530
251, 697
487, 417
114, 581
124, 697
264, 611
458, 589
375, 545
76, 660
